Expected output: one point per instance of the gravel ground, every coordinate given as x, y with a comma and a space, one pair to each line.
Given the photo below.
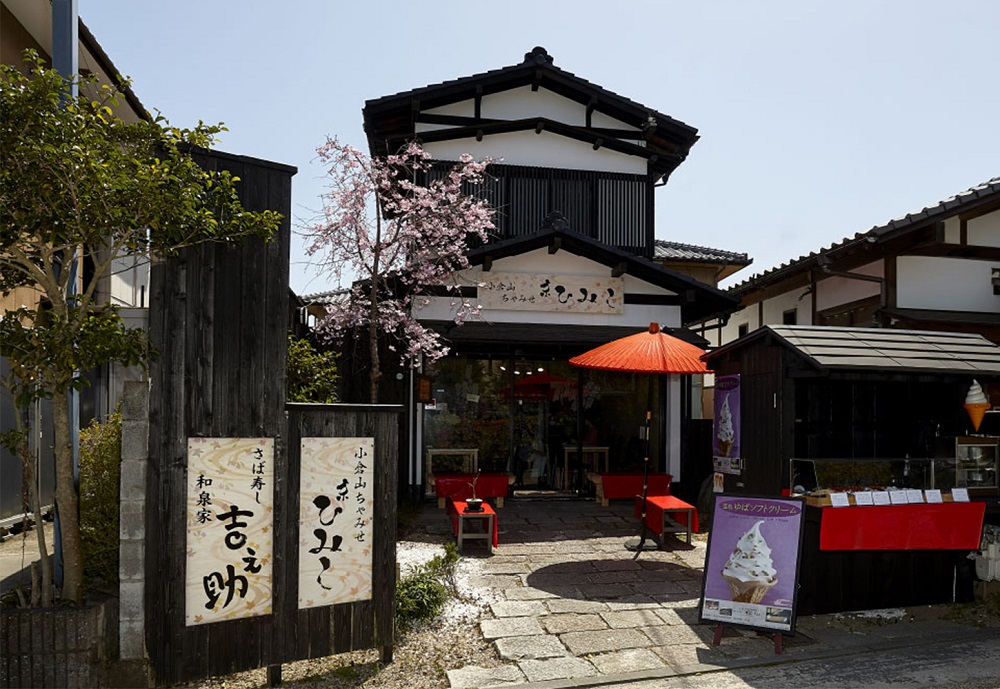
421, 658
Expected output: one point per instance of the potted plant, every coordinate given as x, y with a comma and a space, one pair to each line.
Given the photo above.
474, 504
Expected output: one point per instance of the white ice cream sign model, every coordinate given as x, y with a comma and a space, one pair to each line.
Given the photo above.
726, 433
749, 571
976, 404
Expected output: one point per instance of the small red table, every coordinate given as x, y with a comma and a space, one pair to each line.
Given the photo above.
666, 514
458, 486
462, 520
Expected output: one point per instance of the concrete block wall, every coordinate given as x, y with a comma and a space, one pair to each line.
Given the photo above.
132, 520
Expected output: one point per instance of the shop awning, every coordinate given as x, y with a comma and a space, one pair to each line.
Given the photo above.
885, 350
537, 339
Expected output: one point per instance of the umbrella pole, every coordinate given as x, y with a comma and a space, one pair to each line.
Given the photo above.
645, 472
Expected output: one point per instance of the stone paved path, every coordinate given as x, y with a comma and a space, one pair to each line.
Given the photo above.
570, 601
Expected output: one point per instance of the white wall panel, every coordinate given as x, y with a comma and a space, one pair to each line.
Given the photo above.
523, 103
985, 230
540, 150
954, 284
836, 291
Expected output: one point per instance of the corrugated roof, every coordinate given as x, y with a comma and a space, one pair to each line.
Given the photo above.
886, 350
909, 221
676, 251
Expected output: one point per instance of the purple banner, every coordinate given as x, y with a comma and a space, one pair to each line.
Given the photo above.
752, 564
726, 428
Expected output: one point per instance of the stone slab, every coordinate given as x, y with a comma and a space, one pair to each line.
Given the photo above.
580, 643
528, 608
530, 647
626, 619
510, 626
571, 622
474, 676
556, 668
629, 660
563, 605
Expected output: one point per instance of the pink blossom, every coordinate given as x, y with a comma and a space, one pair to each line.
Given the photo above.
397, 237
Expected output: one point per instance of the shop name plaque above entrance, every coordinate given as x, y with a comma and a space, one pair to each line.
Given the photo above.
529, 292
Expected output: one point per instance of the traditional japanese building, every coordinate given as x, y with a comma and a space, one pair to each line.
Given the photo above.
573, 264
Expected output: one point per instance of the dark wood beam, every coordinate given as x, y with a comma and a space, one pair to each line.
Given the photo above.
479, 102
555, 245
619, 269
591, 106
487, 264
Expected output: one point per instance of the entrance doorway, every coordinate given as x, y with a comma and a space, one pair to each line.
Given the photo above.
545, 423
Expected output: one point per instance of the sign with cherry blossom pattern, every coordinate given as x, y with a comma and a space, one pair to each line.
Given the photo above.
230, 515
336, 501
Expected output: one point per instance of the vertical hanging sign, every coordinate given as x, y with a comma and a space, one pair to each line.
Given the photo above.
230, 514
335, 521
726, 449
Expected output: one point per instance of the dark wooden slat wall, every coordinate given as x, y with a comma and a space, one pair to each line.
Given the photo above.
219, 323
365, 624
220, 372
613, 208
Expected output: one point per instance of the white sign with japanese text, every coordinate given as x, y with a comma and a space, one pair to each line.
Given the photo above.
230, 513
336, 500
530, 292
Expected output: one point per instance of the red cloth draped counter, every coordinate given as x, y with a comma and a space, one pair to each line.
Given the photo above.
928, 526
457, 486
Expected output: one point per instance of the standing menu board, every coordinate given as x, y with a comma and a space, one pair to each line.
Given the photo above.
752, 565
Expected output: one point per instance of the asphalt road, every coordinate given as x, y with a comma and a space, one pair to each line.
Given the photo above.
965, 665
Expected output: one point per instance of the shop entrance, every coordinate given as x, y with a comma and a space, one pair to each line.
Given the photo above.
545, 423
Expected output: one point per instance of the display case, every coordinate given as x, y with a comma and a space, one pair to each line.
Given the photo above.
976, 464
809, 475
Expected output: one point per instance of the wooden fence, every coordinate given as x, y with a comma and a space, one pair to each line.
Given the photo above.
219, 323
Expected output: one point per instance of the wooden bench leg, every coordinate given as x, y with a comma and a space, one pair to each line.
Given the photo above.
441, 503
500, 501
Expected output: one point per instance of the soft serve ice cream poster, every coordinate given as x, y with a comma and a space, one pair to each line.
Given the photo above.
726, 430
752, 563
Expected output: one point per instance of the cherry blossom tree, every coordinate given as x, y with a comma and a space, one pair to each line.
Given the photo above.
398, 231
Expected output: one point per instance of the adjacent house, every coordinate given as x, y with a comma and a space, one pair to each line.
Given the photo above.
935, 269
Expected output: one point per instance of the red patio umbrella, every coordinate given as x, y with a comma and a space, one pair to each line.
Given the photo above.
652, 352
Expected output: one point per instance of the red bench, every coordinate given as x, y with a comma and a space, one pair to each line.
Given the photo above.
458, 486
666, 514
611, 485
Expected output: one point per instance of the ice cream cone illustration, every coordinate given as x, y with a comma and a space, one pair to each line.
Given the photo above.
725, 431
750, 572
976, 404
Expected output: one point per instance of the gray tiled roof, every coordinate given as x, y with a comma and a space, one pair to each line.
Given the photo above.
914, 220
676, 251
886, 350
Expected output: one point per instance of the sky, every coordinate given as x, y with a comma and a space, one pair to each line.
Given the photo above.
817, 119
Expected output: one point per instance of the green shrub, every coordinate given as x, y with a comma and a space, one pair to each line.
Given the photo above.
100, 471
422, 593
312, 375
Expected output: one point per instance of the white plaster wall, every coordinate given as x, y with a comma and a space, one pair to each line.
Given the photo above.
836, 291
542, 150
522, 103
799, 300
130, 281
985, 230
560, 263
954, 284
747, 315
952, 230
